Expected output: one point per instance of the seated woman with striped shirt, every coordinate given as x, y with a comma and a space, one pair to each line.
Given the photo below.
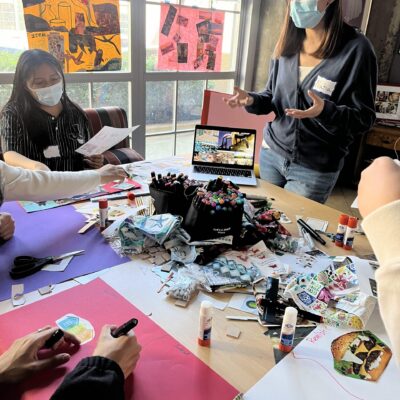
40, 127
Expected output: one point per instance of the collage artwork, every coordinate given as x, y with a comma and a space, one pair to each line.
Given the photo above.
84, 35
190, 39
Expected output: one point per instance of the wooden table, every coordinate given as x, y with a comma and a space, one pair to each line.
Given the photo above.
242, 362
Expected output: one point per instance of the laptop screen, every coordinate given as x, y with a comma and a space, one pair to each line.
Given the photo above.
224, 146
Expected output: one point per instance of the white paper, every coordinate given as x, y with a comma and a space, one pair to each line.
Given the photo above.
355, 203
244, 302
106, 138
58, 267
311, 376
317, 224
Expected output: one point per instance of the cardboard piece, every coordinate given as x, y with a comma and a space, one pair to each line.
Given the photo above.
166, 369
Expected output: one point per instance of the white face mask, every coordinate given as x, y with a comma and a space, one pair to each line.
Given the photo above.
49, 96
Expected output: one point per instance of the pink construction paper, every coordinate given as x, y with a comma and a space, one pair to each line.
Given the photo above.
166, 369
184, 30
216, 112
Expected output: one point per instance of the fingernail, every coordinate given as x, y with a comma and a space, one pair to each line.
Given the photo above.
65, 357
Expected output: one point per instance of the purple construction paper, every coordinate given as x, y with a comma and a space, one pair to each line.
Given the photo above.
52, 233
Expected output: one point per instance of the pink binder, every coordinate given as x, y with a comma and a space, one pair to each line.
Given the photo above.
216, 112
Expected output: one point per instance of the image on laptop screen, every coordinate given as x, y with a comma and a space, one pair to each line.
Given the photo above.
224, 146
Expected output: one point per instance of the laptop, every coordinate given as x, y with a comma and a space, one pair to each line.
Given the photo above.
227, 152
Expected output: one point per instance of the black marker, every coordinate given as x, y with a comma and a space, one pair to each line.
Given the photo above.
311, 231
54, 338
124, 328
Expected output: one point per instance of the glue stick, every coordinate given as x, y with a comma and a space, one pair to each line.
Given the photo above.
103, 213
341, 230
205, 322
131, 199
288, 329
349, 235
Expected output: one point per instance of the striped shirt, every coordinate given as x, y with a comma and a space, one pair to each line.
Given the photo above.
68, 131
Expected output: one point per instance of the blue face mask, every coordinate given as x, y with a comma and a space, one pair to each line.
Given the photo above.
305, 13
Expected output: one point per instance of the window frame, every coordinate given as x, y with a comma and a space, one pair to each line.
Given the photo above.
137, 77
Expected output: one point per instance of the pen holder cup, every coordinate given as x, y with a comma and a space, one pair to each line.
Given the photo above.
172, 203
206, 224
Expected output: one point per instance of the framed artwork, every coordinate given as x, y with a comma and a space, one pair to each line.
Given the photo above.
387, 103
356, 13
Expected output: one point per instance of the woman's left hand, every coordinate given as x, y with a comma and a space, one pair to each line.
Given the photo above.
96, 161
314, 111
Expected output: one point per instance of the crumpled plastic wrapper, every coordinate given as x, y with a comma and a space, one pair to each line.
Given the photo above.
140, 232
334, 295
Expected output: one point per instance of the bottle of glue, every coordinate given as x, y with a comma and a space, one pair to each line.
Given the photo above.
131, 199
288, 330
341, 230
205, 322
349, 235
103, 213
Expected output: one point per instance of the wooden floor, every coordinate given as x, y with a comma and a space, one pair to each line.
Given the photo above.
341, 199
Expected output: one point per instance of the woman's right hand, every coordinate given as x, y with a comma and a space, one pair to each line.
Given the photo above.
109, 173
240, 98
124, 350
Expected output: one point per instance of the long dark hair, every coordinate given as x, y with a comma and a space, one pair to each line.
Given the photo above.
291, 38
27, 106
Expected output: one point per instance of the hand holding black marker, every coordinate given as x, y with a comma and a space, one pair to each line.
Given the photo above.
124, 328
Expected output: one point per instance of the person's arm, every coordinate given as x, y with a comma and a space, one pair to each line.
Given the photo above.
358, 115
102, 376
18, 160
262, 101
22, 184
379, 203
11, 133
94, 378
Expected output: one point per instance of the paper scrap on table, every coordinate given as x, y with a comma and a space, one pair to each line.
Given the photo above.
360, 355
218, 304
77, 326
244, 302
317, 224
106, 138
355, 203
58, 266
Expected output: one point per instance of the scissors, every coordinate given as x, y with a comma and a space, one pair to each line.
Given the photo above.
27, 265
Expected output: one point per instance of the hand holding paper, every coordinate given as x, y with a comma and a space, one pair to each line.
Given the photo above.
106, 138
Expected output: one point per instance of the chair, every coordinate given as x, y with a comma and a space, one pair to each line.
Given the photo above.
115, 117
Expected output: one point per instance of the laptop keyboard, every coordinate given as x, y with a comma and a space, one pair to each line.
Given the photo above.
222, 171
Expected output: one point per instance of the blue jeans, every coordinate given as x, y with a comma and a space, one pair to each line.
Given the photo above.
304, 181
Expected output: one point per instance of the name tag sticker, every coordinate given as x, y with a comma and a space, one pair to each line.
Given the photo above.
324, 86
52, 152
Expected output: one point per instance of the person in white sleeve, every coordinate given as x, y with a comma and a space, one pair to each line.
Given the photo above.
379, 204
23, 184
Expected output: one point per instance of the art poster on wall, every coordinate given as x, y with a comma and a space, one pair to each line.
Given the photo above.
190, 38
84, 35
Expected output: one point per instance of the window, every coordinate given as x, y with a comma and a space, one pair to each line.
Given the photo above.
165, 103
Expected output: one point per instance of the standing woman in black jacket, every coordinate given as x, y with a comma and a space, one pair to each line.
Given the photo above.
321, 87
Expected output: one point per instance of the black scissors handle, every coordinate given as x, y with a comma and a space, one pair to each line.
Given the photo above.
26, 265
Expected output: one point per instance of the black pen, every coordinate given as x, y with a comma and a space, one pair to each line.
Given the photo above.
311, 231
124, 328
